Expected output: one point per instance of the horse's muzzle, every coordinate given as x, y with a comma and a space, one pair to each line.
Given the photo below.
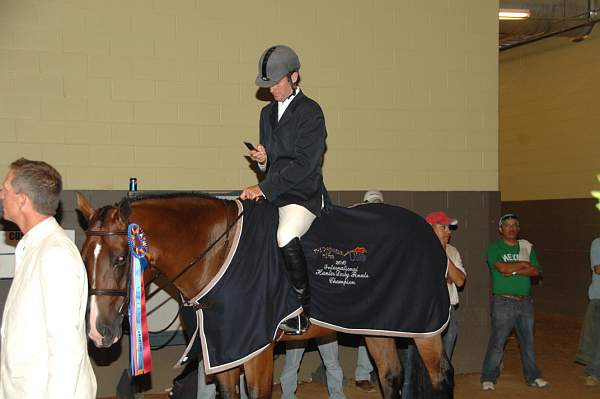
105, 336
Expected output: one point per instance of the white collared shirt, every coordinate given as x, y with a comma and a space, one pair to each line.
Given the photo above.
282, 105
454, 256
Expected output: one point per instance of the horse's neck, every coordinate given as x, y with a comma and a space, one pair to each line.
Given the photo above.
185, 231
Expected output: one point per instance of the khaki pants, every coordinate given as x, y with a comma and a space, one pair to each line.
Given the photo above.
294, 221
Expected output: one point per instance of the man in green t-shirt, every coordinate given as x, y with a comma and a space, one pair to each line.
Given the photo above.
512, 263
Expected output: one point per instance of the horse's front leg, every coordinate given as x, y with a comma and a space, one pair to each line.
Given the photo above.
441, 373
229, 383
384, 353
259, 375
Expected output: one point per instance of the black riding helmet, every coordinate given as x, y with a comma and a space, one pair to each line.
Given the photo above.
275, 63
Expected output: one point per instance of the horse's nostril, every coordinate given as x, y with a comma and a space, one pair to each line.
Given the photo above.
106, 333
109, 334
104, 330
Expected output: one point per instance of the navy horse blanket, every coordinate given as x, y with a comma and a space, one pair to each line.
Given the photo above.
374, 269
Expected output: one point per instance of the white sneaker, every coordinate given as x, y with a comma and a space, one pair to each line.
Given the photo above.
488, 386
539, 383
591, 381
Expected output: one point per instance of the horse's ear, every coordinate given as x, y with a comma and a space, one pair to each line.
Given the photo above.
124, 210
84, 206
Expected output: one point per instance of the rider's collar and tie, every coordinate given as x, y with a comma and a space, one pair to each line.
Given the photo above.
282, 105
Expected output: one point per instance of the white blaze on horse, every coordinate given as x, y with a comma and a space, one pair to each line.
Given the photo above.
190, 238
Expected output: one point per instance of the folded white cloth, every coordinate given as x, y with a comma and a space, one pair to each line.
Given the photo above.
524, 250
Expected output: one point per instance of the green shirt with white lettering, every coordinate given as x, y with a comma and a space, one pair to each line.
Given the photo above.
499, 251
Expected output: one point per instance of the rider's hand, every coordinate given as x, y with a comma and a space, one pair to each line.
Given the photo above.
260, 155
252, 193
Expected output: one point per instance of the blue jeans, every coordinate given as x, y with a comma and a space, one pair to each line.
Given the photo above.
363, 365
449, 337
507, 314
209, 391
589, 333
593, 367
205, 391
330, 356
407, 353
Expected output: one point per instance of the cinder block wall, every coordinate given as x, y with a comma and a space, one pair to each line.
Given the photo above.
549, 139
548, 124
561, 232
164, 90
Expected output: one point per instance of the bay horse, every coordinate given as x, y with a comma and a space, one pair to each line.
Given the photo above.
182, 226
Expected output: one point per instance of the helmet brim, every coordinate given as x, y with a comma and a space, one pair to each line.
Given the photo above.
267, 83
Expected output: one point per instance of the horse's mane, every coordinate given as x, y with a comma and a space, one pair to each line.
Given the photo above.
101, 215
124, 205
174, 194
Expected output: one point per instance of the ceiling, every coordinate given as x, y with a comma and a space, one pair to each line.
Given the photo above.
573, 19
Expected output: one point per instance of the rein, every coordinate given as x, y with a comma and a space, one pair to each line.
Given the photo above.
211, 246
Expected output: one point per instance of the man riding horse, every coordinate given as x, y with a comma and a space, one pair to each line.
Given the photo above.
292, 144
406, 265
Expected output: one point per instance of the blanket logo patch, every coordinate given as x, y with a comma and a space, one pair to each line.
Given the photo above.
340, 267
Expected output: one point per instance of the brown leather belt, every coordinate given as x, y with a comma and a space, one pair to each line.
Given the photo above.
515, 297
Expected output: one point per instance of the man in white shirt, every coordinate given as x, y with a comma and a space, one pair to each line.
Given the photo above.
44, 344
442, 226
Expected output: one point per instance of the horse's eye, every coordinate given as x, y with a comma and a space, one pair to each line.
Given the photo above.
119, 261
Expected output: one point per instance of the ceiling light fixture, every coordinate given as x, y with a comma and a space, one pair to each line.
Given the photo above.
508, 14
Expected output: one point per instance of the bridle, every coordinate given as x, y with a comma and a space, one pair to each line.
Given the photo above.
123, 309
108, 291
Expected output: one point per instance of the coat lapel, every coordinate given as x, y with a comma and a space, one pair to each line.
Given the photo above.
273, 116
289, 111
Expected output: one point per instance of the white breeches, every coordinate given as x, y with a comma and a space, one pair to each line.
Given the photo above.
294, 221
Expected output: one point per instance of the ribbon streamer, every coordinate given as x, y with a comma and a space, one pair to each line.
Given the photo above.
141, 358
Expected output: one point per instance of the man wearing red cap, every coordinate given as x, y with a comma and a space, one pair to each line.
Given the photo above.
442, 224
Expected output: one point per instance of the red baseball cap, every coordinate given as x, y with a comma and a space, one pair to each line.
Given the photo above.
440, 217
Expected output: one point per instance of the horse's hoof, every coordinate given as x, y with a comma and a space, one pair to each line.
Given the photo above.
365, 386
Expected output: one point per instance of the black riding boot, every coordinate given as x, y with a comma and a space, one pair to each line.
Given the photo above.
295, 264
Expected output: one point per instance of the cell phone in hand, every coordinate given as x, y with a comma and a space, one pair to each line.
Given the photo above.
250, 146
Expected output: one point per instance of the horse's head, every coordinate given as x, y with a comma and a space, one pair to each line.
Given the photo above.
179, 225
105, 254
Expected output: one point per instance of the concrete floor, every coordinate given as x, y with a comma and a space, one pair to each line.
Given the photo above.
556, 343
